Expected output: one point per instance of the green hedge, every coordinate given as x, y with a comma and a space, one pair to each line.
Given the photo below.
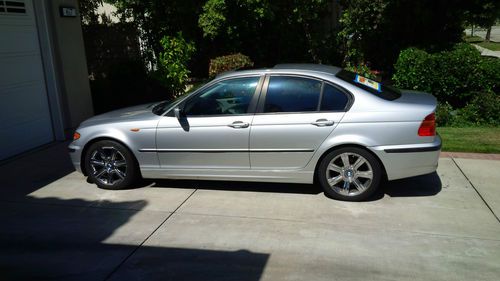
228, 63
453, 76
465, 83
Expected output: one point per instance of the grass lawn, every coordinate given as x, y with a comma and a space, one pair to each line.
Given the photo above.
473, 39
484, 140
494, 46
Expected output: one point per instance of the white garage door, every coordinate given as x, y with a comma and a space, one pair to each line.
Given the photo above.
25, 120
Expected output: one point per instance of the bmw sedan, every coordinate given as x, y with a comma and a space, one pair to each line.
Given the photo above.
294, 123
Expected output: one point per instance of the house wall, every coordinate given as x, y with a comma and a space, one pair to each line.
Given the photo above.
69, 50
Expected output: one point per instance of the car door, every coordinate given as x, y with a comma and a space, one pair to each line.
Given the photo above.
295, 115
213, 128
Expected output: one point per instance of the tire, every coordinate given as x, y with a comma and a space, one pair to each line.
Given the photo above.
351, 181
110, 165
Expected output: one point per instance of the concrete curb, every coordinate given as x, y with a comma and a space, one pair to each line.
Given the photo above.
482, 156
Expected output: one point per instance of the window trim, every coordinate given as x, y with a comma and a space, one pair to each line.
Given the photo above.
265, 86
251, 107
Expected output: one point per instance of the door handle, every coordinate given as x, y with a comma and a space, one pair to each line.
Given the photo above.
239, 125
323, 123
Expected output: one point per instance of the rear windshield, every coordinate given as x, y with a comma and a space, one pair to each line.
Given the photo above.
376, 88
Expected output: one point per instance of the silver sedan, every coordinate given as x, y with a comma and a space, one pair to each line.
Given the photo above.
292, 123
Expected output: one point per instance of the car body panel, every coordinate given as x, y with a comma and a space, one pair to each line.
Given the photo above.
266, 150
288, 140
203, 142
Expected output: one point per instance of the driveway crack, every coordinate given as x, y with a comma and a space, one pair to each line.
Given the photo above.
477, 191
146, 239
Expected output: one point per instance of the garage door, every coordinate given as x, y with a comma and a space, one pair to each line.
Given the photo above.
25, 120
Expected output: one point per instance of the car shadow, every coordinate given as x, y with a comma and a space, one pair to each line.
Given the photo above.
233, 186
425, 185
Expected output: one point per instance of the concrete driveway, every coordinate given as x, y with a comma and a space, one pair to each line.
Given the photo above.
56, 226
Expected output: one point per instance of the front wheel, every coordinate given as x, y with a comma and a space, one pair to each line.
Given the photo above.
110, 165
349, 174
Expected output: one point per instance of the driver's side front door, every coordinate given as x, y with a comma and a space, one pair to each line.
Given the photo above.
213, 129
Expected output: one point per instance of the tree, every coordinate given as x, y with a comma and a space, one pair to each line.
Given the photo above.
172, 68
270, 31
88, 10
483, 13
374, 32
158, 18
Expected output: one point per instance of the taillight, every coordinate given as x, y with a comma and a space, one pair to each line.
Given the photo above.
76, 136
428, 126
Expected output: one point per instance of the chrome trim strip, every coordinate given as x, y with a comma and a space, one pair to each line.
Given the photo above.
225, 150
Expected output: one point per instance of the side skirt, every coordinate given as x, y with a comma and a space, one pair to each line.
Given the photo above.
292, 176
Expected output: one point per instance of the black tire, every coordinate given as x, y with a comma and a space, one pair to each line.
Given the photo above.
360, 186
106, 172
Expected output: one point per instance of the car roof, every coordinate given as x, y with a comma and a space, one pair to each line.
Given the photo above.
289, 67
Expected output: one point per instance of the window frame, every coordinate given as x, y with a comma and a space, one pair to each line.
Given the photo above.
251, 107
265, 86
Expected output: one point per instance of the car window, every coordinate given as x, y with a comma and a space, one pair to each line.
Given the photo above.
378, 89
333, 99
228, 97
292, 94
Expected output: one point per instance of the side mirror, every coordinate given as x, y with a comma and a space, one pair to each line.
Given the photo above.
178, 113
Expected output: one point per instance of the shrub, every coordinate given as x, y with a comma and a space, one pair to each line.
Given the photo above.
452, 76
227, 63
361, 69
445, 116
484, 109
172, 70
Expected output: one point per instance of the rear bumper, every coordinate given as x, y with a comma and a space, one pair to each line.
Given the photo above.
409, 160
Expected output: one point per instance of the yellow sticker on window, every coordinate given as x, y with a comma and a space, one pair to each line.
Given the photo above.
368, 83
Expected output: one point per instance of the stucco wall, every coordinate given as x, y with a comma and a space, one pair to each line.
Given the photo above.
69, 53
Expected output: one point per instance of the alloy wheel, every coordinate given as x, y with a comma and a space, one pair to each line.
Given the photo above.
349, 174
108, 165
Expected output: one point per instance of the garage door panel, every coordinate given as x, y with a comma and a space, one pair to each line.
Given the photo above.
28, 100
22, 39
20, 68
23, 137
25, 119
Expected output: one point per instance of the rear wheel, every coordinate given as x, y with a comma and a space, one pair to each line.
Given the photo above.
110, 165
349, 174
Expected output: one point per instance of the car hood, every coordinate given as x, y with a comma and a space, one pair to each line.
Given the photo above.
134, 113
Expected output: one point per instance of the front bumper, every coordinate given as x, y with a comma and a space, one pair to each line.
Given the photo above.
75, 153
403, 161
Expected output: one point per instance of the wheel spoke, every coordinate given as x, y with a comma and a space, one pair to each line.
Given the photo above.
119, 173
333, 181
120, 163
97, 174
110, 177
101, 153
365, 174
333, 167
359, 163
345, 159
359, 186
346, 187
97, 162
113, 154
